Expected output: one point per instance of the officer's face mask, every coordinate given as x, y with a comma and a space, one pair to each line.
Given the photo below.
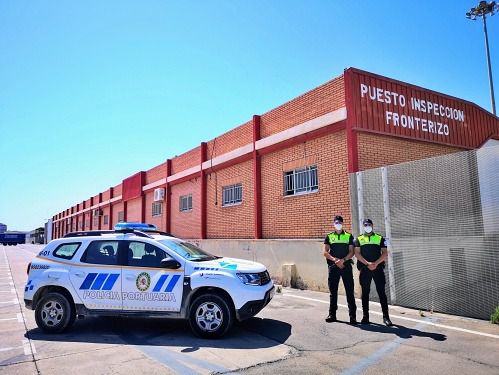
338, 226
368, 229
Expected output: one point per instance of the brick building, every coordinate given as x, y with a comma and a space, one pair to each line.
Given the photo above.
282, 174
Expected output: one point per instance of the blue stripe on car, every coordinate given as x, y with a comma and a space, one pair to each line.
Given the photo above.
88, 281
172, 283
99, 281
160, 283
110, 281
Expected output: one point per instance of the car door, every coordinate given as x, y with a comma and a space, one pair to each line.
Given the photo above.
97, 277
147, 286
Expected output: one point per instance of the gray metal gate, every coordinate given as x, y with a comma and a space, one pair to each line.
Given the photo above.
441, 216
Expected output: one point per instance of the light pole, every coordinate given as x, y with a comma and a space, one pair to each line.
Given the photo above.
482, 10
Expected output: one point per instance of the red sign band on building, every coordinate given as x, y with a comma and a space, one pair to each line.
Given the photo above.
132, 186
386, 106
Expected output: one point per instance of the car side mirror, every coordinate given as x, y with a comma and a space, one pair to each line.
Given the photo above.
170, 263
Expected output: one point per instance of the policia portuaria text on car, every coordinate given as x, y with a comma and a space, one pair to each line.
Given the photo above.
371, 252
338, 251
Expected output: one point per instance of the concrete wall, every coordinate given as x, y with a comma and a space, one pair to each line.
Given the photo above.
307, 255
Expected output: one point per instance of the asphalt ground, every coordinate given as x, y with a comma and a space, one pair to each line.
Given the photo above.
289, 336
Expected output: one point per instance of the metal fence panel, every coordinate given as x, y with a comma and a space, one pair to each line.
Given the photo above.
443, 221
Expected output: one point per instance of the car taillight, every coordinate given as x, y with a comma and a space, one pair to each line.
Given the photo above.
29, 266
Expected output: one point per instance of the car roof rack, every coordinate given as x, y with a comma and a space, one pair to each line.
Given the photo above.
159, 232
139, 233
133, 231
87, 233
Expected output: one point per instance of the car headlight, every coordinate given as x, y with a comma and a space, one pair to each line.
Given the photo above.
249, 278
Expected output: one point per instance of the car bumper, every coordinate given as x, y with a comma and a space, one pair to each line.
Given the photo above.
29, 304
251, 308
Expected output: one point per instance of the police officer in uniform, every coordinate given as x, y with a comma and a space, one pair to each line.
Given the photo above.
371, 252
338, 251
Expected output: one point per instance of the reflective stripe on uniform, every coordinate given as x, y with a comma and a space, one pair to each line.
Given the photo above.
342, 238
374, 239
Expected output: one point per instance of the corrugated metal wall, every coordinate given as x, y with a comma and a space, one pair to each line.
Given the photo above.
442, 219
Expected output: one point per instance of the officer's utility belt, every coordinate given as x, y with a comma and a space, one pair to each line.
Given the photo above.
348, 263
361, 265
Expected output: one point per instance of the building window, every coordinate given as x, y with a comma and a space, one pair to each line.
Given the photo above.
96, 220
186, 203
157, 208
121, 216
301, 181
232, 194
106, 219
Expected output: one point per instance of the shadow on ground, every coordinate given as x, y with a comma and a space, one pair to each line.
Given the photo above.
263, 333
401, 331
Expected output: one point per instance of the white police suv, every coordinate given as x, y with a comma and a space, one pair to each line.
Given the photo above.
136, 270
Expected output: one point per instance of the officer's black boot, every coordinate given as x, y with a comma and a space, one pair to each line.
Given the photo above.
353, 318
387, 321
365, 319
331, 317
386, 316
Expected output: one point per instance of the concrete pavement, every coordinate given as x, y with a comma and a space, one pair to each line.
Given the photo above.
288, 336
113, 346
430, 344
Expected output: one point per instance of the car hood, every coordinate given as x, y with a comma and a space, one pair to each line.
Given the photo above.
233, 264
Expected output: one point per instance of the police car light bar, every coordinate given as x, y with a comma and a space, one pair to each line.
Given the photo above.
143, 227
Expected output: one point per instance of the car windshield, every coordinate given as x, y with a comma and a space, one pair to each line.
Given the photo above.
188, 251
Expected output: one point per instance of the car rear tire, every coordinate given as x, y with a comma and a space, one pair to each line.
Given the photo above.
210, 316
54, 313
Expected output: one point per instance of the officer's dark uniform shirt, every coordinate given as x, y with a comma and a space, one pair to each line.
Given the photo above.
338, 245
370, 248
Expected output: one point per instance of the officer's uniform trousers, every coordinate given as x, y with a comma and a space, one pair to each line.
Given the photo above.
366, 275
333, 280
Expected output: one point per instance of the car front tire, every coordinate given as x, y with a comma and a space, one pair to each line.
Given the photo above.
54, 313
210, 316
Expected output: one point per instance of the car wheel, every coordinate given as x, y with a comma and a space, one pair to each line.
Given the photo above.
210, 316
54, 313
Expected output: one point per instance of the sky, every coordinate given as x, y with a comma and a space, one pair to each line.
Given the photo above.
92, 92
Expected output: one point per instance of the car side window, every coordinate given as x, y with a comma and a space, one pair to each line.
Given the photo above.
141, 254
66, 250
101, 252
